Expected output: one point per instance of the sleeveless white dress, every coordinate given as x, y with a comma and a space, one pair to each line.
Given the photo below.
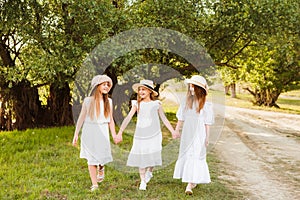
147, 140
95, 141
191, 165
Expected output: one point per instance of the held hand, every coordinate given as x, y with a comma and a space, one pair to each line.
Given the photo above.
115, 139
118, 138
75, 139
206, 142
176, 134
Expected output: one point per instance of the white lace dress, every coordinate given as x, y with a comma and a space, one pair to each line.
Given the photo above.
147, 141
191, 165
95, 141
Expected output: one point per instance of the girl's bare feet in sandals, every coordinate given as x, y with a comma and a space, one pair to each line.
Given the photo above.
100, 175
189, 188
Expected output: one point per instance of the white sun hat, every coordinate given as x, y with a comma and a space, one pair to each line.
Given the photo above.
145, 83
98, 79
199, 81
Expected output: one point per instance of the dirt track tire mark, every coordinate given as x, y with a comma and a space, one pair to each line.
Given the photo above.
264, 163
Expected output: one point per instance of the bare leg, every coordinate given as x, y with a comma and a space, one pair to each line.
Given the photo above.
143, 184
93, 174
150, 169
148, 174
142, 173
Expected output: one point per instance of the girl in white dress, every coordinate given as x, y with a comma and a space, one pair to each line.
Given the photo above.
147, 142
97, 118
196, 115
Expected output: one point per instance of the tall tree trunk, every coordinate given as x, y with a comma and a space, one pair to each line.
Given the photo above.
26, 105
5, 99
59, 103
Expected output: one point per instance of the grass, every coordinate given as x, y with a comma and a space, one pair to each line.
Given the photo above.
287, 104
42, 164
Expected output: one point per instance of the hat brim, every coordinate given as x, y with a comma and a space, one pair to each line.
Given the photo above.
93, 88
189, 81
136, 86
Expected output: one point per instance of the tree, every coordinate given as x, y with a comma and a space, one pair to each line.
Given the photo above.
271, 70
47, 52
254, 38
19, 100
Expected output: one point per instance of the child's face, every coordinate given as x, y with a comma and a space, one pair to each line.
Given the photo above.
104, 87
144, 92
192, 88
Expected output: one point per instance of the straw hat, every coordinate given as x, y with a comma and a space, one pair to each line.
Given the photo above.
145, 83
199, 81
98, 79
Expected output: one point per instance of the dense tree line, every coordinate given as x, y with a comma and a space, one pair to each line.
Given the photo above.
43, 44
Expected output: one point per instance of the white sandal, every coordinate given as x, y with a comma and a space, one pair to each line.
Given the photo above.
189, 188
100, 175
148, 176
94, 187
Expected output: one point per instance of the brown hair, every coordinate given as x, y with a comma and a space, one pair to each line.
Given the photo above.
139, 99
198, 98
95, 103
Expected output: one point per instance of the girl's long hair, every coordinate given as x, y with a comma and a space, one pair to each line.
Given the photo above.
95, 104
139, 99
198, 98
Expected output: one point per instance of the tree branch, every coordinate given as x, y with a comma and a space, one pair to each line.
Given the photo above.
238, 52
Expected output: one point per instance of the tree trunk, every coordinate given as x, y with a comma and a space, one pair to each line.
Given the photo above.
233, 90
5, 115
121, 102
59, 106
265, 97
227, 89
26, 105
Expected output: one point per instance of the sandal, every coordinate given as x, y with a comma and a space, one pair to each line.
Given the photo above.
100, 175
94, 187
148, 176
189, 188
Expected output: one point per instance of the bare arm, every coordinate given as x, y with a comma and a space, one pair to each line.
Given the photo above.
178, 127
111, 124
166, 121
207, 135
79, 123
126, 122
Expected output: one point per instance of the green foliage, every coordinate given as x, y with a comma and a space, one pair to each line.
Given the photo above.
46, 42
259, 41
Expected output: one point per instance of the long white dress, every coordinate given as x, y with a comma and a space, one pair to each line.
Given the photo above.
191, 165
147, 141
95, 142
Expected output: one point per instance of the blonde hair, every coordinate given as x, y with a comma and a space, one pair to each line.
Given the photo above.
95, 103
198, 98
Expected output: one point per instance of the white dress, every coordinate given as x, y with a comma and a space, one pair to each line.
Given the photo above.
95, 142
147, 140
191, 165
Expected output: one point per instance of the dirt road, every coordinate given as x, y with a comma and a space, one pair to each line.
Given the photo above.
260, 153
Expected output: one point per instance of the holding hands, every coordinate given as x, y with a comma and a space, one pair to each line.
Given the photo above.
118, 138
175, 134
206, 141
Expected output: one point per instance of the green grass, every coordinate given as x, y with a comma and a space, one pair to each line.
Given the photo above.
42, 164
